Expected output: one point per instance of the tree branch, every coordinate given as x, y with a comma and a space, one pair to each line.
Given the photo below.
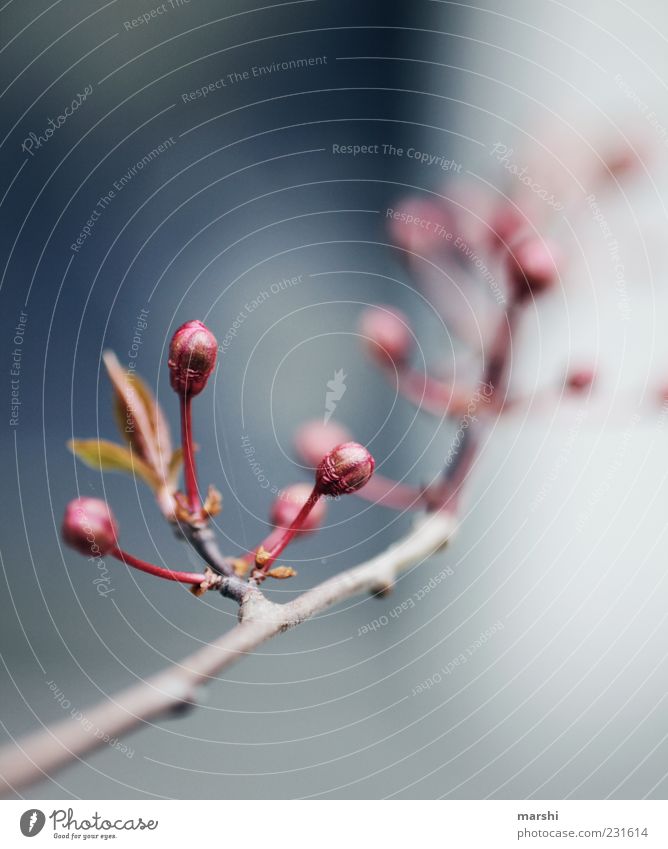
38, 755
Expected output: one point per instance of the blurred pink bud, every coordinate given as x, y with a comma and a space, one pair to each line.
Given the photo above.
386, 333
579, 380
345, 469
532, 266
192, 357
314, 439
621, 161
89, 527
290, 501
420, 226
663, 395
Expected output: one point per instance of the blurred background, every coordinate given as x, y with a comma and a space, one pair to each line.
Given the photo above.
254, 217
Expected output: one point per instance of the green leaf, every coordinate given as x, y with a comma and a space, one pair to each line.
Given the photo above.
110, 457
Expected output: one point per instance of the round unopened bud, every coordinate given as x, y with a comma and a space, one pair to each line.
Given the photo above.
192, 356
386, 333
533, 266
314, 439
346, 468
290, 501
89, 527
581, 379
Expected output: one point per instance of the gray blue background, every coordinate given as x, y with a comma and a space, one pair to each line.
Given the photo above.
567, 697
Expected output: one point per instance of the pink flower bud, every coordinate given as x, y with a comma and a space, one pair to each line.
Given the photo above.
533, 266
192, 356
386, 333
622, 160
344, 469
290, 501
89, 527
579, 380
314, 439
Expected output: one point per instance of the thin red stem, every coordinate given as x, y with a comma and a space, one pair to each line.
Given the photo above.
189, 468
446, 494
273, 537
497, 364
275, 543
378, 490
158, 571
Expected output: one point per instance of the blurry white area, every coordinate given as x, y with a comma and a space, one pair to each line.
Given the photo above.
565, 534
567, 89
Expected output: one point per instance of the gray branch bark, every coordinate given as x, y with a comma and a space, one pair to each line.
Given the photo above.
40, 754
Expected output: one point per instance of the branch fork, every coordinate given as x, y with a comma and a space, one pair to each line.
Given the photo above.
342, 466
